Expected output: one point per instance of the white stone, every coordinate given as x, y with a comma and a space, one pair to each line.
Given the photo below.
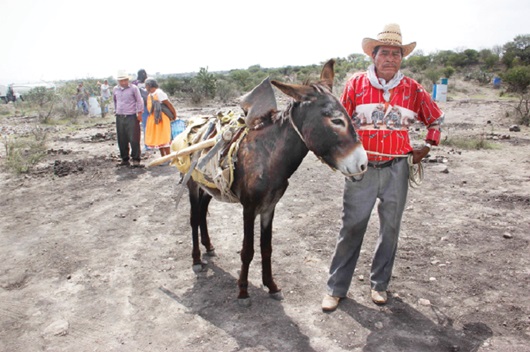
57, 328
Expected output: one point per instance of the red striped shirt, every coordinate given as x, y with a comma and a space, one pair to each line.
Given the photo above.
383, 126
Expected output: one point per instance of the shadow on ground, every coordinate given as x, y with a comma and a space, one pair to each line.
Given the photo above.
262, 325
400, 327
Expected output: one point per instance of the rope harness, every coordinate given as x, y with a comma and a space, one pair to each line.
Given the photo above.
319, 158
214, 166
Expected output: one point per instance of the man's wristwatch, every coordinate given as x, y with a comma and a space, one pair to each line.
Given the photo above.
428, 145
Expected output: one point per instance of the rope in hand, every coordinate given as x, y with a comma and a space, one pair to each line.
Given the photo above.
416, 174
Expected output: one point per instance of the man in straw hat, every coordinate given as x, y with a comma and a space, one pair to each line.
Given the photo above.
386, 141
128, 105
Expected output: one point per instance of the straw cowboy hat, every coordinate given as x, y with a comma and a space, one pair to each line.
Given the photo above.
391, 36
122, 74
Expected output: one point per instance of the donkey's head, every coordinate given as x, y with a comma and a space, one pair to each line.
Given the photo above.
324, 125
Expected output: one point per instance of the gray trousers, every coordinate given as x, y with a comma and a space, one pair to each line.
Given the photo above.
128, 133
390, 185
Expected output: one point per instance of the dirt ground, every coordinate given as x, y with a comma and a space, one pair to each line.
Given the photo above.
97, 258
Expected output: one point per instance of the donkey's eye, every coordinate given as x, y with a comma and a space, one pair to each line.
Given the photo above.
338, 122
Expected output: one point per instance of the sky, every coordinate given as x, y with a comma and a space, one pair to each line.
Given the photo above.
50, 40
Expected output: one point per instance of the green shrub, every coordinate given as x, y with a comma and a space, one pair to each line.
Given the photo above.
468, 143
226, 90
172, 85
67, 107
24, 152
43, 100
204, 83
517, 78
448, 71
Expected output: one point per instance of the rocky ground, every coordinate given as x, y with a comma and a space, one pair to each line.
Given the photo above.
98, 258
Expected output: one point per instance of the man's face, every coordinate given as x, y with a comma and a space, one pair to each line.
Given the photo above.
124, 83
387, 61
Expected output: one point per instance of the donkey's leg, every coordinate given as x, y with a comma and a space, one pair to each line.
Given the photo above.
247, 254
195, 209
266, 254
203, 224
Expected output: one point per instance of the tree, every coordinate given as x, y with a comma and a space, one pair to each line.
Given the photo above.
518, 50
489, 58
448, 71
518, 81
204, 83
433, 75
443, 57
416, 63
456, 60
241, 78
171, 85
471, 57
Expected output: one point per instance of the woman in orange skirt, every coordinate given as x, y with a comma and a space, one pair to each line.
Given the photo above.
161, 113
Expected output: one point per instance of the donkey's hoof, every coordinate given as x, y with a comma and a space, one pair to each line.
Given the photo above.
277, 295
244, 302
199, 268
211, 253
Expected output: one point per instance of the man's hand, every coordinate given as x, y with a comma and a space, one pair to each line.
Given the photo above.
419, 154
139, 117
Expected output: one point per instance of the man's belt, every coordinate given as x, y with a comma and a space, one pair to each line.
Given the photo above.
121, 115
384, 164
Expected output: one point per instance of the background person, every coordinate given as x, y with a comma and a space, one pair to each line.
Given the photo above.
387, 176
82, 98
128, 105
161, 113
141, 76
10, 94
105, 95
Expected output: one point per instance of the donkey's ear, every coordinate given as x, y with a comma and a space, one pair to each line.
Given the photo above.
296, 91
328, 74
259, 102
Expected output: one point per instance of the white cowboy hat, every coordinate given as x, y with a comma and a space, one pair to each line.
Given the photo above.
390, 36
122, 74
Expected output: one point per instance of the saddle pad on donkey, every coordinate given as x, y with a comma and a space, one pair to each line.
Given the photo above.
215, 166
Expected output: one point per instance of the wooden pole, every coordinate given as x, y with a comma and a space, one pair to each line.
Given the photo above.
186, 151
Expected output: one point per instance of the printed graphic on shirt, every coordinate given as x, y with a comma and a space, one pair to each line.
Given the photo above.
375, 116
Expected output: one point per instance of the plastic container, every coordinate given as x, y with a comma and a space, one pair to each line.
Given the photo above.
93, 106
497, 82
177, 126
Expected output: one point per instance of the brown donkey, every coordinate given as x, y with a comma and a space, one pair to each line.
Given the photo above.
268, 155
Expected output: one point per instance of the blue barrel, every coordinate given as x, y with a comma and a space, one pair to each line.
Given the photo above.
497, 82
